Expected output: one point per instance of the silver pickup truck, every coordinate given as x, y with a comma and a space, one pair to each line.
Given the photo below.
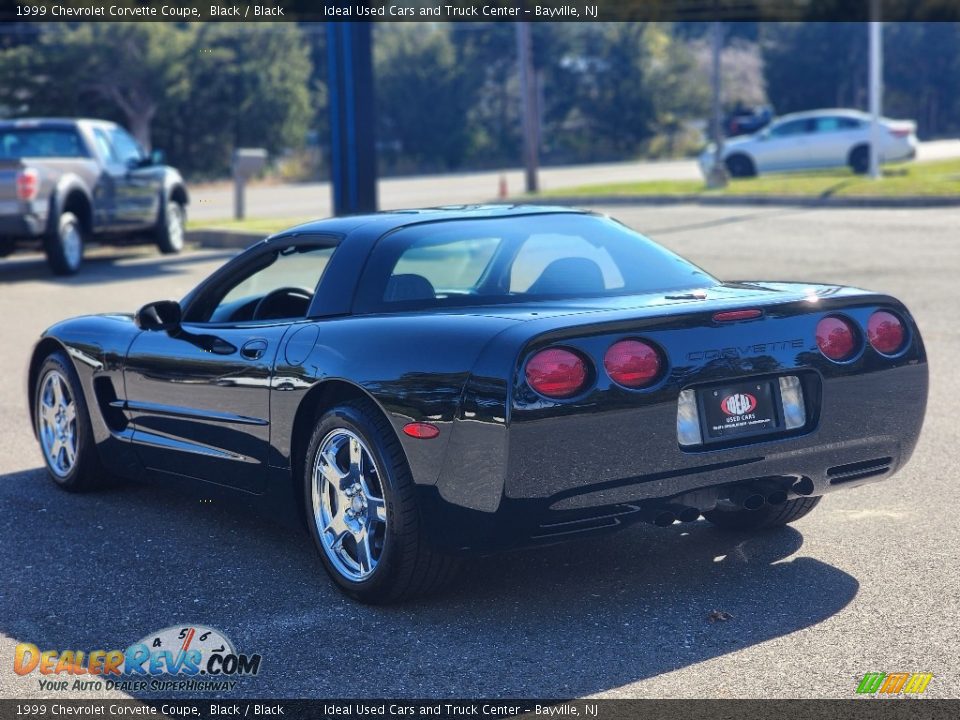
67, 182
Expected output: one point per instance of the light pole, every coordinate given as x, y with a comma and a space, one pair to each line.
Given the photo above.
717, 177
876, 86
528, 106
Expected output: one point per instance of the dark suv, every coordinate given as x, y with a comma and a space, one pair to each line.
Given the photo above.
66, 182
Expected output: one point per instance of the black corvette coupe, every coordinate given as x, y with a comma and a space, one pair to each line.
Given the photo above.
427, 383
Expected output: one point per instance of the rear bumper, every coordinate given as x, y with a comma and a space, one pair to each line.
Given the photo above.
579, 473
901, 150
21, 226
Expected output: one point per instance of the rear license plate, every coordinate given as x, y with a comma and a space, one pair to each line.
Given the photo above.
745, 408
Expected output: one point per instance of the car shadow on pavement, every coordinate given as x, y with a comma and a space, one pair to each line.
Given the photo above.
105, 268
102, 570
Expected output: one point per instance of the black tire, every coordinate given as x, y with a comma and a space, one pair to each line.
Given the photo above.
64, 246
86, 471
740, 166
859, 160
408, 565
765, 517
171, 227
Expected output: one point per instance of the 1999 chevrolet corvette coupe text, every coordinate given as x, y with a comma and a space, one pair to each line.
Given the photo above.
428, 383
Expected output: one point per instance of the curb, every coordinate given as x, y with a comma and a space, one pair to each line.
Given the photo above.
231, 239
785, 200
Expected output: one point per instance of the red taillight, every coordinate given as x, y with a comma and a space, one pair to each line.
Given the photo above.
901, 132
885, 332
836, 338
421, 430
632, 363
556, 373
28, 184
734, 315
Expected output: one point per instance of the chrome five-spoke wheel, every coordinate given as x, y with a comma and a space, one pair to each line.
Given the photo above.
348, 504
57, 424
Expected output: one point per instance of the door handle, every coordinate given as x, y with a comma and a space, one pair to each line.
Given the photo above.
254, 349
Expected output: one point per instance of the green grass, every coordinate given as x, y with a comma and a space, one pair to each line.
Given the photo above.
264, 226
929, 179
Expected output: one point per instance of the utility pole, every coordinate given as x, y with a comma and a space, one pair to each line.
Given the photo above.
528, 102
876, 86
717, 177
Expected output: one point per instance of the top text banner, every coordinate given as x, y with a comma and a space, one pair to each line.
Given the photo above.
480, 11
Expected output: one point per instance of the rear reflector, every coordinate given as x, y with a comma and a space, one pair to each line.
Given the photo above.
421, 430
28, 184
733, 315
632, 363
791, 394
556, 373
688, 419
836, 338
885, 332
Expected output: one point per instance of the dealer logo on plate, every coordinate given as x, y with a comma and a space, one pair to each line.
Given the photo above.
738, 404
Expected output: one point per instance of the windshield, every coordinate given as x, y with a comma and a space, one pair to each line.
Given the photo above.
40, 142
518, 259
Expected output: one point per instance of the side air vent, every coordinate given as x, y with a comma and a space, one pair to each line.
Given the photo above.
859, 470
109, 406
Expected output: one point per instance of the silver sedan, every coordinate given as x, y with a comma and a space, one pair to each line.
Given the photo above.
813, 140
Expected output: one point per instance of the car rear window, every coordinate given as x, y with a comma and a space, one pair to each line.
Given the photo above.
472, 262
40, 142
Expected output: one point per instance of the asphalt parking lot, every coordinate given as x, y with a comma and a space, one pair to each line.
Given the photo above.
869, 582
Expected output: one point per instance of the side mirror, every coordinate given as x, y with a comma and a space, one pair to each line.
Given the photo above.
158, 157
159, 315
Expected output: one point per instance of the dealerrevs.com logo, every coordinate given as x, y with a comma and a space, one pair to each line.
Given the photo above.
182, 657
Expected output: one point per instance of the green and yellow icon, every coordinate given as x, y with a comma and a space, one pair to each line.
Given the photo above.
894, 683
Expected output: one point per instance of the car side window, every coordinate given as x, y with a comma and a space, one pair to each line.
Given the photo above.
104, 146
126, 149
791, 128
279, 285
834, 124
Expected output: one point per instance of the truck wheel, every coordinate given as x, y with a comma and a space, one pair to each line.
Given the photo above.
64, 247
171, 227
63, 427
362, 512
765, 517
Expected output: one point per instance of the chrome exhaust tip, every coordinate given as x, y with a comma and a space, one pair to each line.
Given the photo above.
684, 513
660, 516
747, 498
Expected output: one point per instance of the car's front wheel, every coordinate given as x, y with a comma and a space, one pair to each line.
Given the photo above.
740, 166
63, 427
362, 512
764, 517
